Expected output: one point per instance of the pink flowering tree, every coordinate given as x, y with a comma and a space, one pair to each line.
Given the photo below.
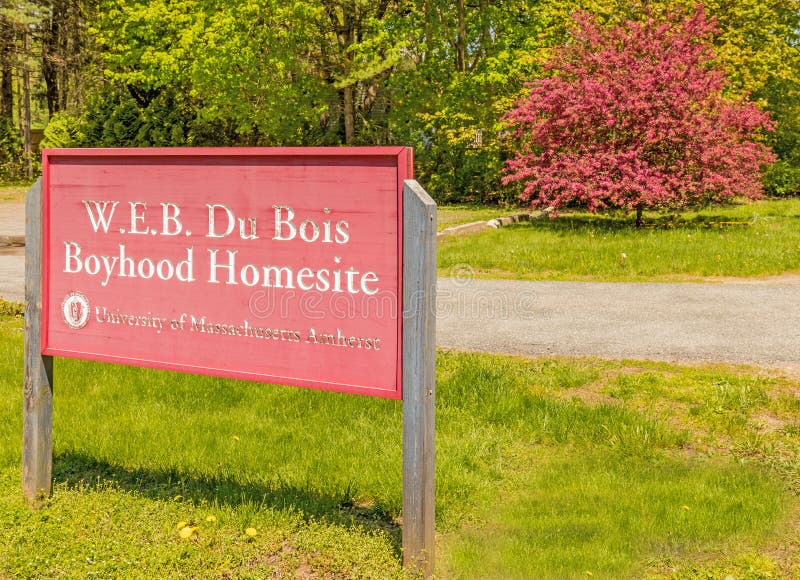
634, 117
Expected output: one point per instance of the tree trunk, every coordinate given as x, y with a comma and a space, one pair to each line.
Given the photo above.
68, 47
26, 109
345, 24
461, 38
349, 115
486, 36
50, 57
639, 219
486, 33
6, 72
7, 92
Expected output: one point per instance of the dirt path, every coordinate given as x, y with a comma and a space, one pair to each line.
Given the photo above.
12, 218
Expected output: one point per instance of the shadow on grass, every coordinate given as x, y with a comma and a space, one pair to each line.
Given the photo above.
80, 471
571, 224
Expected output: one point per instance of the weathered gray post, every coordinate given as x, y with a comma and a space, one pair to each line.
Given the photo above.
419, 376
37, 414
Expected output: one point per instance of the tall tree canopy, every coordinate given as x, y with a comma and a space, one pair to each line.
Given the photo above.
297, 72
433, 74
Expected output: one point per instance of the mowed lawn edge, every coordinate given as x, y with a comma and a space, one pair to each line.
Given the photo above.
749, 240
13, 193
546, 467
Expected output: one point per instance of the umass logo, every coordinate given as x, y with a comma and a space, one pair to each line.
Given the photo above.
75, 310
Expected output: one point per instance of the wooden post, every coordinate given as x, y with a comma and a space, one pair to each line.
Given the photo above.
419, 377
37, 414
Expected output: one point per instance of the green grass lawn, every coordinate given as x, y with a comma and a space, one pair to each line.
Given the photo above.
553, 467
750, 240
454, 215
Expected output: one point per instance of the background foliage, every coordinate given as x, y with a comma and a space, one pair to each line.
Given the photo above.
434, 74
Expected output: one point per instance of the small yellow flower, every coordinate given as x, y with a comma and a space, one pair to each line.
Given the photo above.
685, 508
187, 532
589, 573
211, 518
181, 525
252, 532
235, 437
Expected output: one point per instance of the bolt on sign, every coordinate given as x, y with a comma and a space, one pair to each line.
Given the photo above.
312, 267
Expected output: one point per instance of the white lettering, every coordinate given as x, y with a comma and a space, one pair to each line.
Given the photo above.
140, 268
369, 277
249, 275
342, 232
127, 267
100, 219
278, 271
91, 265
230, 265
73, 263
304, 235
212, 231
125, 262
171, 218
304, 273
242, 232
165, 270
108, 266
137, 217
183, 271
280, 222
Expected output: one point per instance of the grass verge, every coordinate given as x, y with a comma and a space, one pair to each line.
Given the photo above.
750, 240
453, 215
13, 192
547, 467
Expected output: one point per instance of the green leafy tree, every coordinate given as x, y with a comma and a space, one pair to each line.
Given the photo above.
301, 72
468, 64
436, 74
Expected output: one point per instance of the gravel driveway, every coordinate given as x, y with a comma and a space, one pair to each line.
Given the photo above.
750, 322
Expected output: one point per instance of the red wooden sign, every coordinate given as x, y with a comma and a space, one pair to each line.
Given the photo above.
278, 265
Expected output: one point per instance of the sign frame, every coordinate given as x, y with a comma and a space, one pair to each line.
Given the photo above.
176, 156
417, 352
